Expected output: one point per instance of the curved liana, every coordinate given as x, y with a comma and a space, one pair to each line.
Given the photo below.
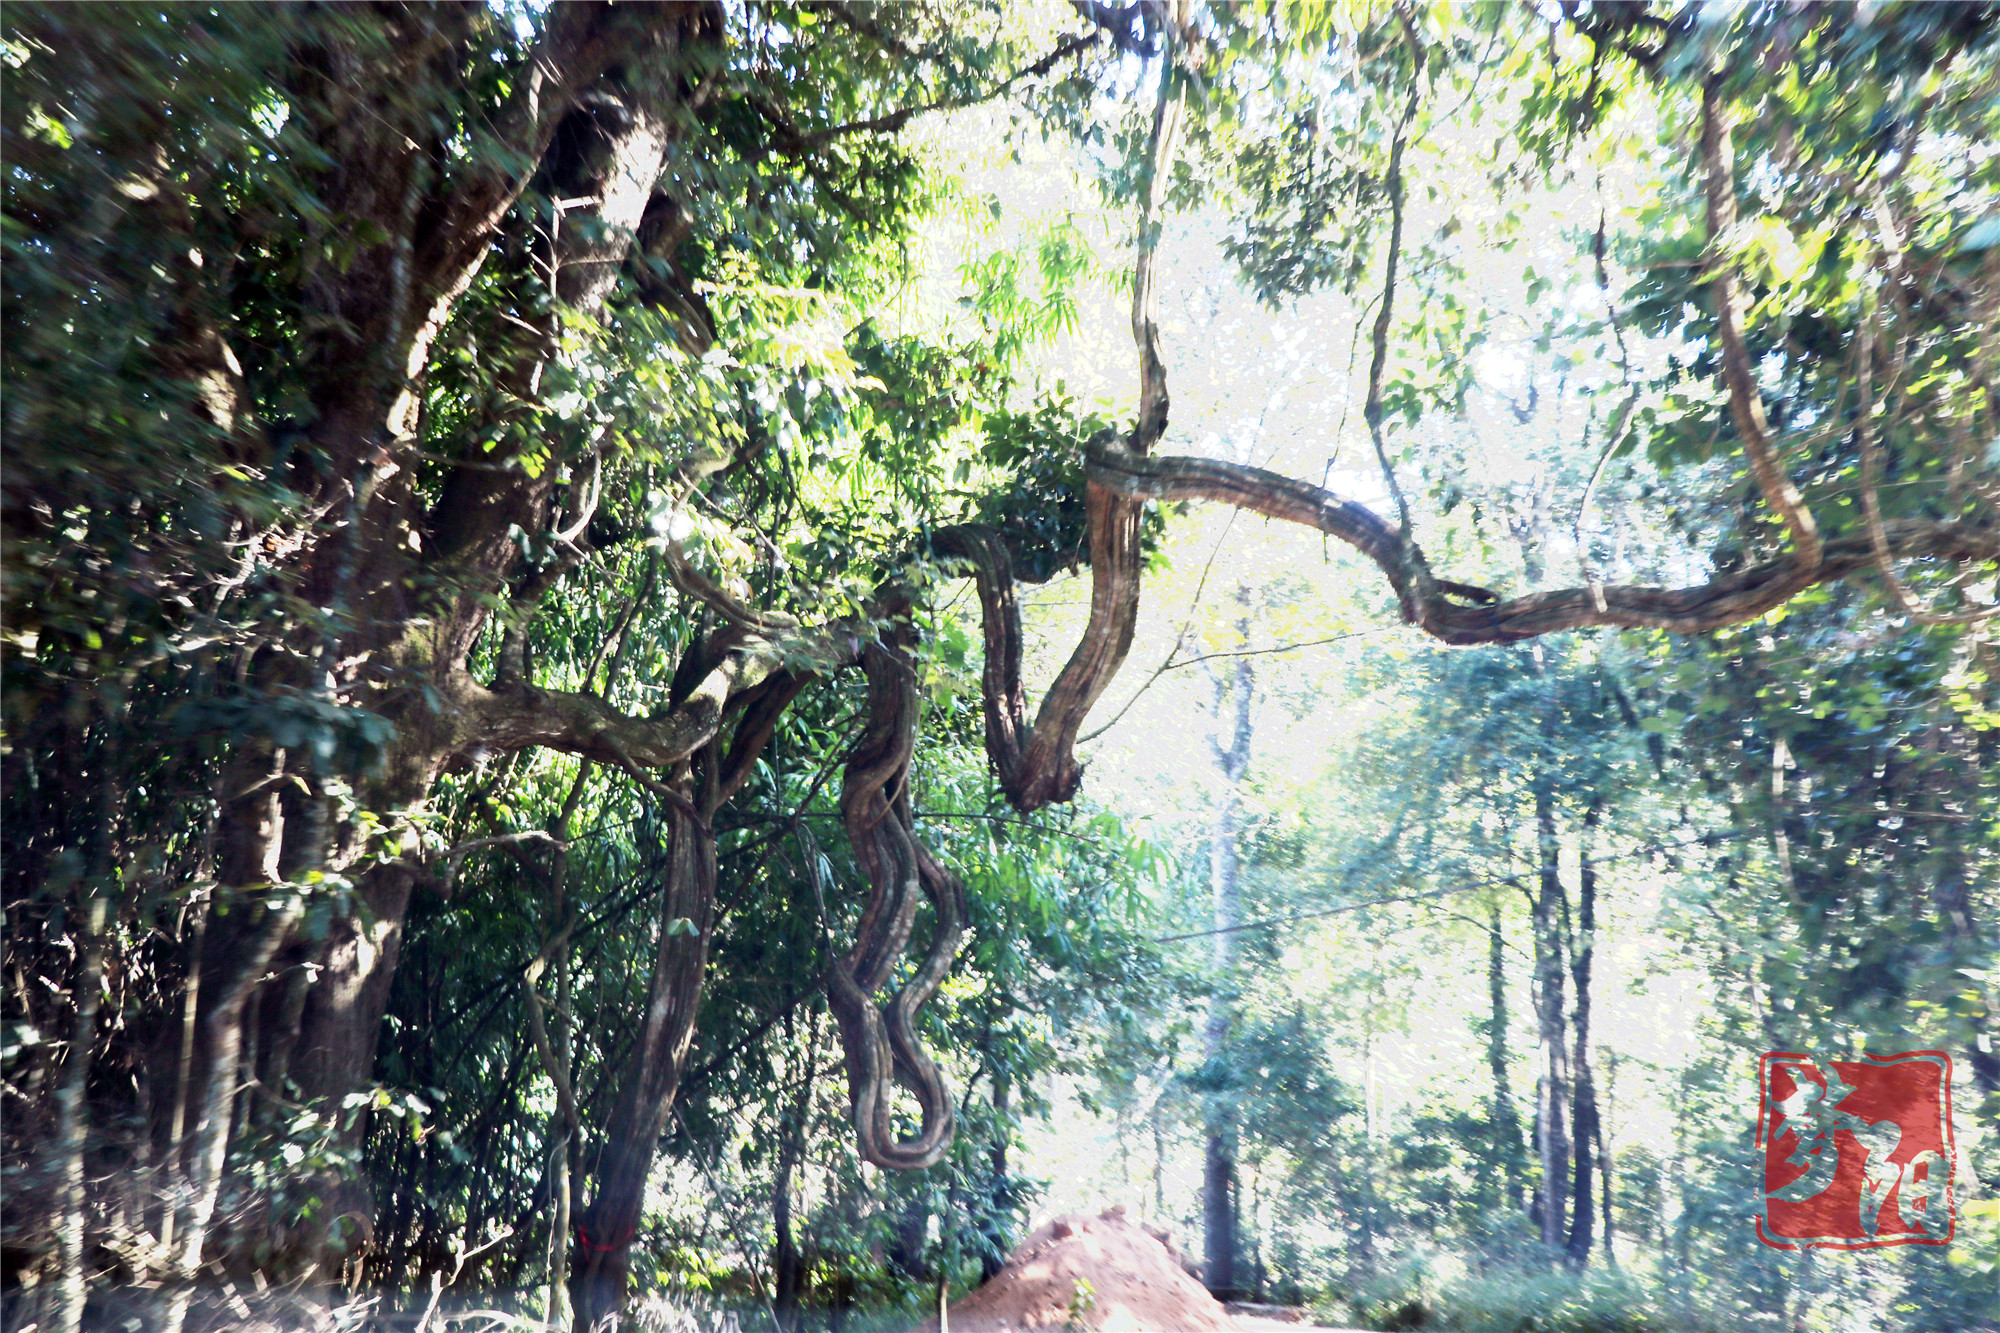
881, 1040
1037, 766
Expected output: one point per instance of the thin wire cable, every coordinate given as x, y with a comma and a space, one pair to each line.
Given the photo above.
1706, 840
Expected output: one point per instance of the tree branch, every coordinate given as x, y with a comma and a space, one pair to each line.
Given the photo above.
794, 142
513, 715
1728, 599
764, 706
539, 1030
581, 40
1621, 421
1746, 405
1040, 767
1371, 411
1000, 692
1871, 499
1154, 174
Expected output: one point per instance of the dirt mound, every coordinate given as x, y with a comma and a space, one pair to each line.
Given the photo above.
1090, 1272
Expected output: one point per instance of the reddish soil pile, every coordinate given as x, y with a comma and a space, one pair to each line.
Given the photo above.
1090, 1272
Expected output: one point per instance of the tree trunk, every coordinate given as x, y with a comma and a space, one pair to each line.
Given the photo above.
389, 306
1552, 1090
1365, 1250
1604, 1161
1001, 1194
169, 1174
210, 1147
1233, 697
73, 1093
1584, 1131
610, 1222
1506, 1125
566, 1126
72, 1128
906, 1240
1218, 1208
788, 1269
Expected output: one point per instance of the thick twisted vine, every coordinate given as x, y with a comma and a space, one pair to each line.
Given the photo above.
1038, 767
881, 1040
984, 551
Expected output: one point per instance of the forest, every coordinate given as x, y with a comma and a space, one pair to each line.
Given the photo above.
581, 747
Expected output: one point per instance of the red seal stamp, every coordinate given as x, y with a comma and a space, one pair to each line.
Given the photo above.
1857, 1153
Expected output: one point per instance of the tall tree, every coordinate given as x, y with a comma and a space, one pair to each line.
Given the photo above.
1585, 1130
1235, 691
1549, 906
1504, 1120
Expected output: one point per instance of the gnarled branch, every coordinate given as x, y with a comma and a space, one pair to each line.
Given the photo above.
581, 41
1728, 599
1039, 767
513, 715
